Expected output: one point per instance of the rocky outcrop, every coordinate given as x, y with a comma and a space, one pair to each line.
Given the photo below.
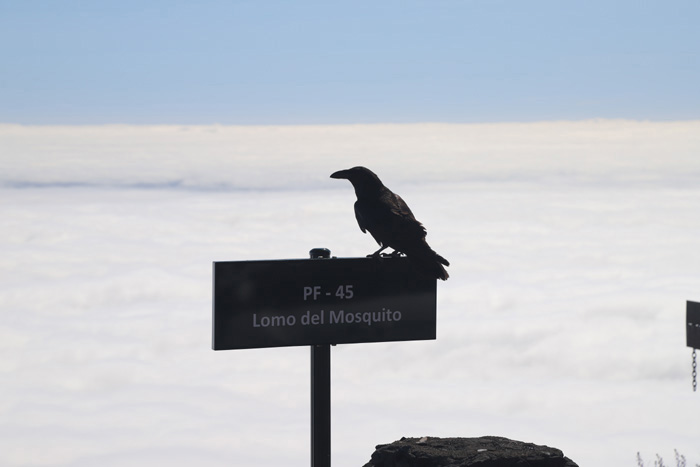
487, 451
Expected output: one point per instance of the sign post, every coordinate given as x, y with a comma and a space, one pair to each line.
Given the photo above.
692, 334
320, 302
320, 394
321, 405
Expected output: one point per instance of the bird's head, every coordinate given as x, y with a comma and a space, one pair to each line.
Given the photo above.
364, 180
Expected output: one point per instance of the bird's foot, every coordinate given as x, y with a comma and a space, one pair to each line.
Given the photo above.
377, 254
393, 254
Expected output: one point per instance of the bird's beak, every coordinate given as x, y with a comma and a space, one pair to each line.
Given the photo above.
340, 174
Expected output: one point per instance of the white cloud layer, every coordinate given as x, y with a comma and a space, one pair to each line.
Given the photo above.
573, 248
252, 157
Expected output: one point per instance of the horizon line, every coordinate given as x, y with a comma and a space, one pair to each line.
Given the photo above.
387, 123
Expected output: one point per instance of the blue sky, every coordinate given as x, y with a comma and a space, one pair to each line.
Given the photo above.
311, 62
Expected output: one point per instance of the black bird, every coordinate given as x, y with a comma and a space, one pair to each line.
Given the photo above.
390, 221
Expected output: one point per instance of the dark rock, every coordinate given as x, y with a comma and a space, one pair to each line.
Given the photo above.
487, 451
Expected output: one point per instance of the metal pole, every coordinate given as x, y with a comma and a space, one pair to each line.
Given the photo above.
320, 394
321, 405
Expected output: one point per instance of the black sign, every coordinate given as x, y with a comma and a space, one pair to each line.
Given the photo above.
692, 318
320, 301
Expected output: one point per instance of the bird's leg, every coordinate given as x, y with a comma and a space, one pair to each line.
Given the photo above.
376, 253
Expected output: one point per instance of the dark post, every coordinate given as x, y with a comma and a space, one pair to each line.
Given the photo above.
692, 318
321, 405
320, 394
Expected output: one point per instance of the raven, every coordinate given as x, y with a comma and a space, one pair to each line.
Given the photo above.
390, 221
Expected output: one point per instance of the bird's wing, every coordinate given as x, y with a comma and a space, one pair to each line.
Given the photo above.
360, 220
403, 216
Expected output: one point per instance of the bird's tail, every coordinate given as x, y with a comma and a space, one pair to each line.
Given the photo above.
430, 263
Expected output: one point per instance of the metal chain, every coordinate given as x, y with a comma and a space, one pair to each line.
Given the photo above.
695, 372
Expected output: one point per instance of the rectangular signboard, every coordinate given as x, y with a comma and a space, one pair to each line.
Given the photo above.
692, 314
282, 303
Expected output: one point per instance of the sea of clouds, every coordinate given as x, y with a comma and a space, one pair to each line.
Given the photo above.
573, 249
